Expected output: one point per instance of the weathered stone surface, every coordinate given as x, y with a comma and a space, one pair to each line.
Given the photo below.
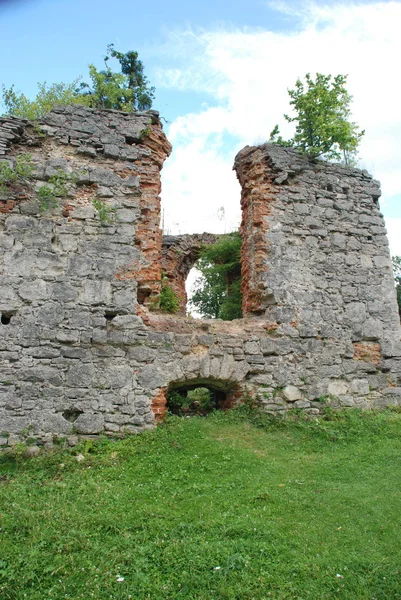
292, 393
89, 423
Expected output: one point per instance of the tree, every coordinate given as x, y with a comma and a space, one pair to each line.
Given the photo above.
127, 90
218, 292
397, 278
323, 128
17, 104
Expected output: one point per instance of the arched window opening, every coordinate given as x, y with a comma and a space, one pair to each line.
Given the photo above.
179, 254
216, 291
199, 398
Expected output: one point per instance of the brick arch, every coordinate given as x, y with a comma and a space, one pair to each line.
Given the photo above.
179, 254
232, 393
216, 373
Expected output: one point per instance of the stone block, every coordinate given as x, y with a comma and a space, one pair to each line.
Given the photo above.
337, 388
80, 375
150, 378
89, 423
360, 386
292, 393
95, 293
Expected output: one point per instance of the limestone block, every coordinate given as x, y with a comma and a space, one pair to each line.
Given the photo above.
41, 373
37, 289
215, 365
141, 354
394, 392
252, 347
80, 375
84, 212
131, 182
355, 312
302, 404
204, 367
96, 292
118, 376
228, 365
337, 388
13, 424
19, 224
6, 241
111, 151
191, 366
241, 370
292, 393
127, 322
359, 386
372, 329
10, 400
50, 314
9, 300
103, 177
151, 377
89, 423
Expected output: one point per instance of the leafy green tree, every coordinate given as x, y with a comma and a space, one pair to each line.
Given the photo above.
322, 113
19, 105
397, 278
127, 90
218, 292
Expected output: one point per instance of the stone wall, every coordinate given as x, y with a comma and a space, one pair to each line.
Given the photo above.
70, 280
80, 352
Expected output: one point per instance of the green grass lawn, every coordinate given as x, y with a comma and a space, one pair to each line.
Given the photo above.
232, 506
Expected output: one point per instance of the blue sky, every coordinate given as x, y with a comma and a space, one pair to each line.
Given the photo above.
53, 40
221, 70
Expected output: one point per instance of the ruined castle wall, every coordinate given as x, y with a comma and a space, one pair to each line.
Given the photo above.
71, 274
81, 353
316, 263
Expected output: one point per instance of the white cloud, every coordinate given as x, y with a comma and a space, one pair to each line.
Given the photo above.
197, 182
247, 74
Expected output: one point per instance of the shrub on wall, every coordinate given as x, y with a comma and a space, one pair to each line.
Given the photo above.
168, 300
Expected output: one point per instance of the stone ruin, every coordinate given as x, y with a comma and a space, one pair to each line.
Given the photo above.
81, 351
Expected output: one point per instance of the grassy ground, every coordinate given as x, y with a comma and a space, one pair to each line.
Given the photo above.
231, 506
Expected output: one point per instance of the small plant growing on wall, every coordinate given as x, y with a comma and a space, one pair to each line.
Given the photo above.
50, 193
107, 214
168, 299
20, 173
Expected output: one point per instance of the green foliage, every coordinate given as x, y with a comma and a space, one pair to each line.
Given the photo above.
107, 214
19, 105
168, 300
20, 172
50, 193
397, 278
198, 401
218, 293
127, 90
323, 129
222, 507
